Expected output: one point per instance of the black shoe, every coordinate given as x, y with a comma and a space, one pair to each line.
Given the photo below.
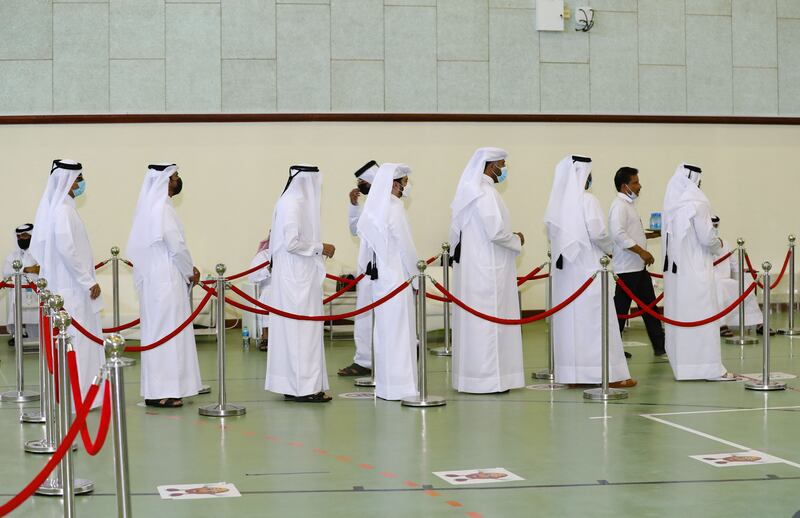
11, 342
628, 355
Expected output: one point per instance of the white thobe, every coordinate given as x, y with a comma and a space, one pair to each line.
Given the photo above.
395, 320
362, 332
162, 274
72, 278
690, 293
577, 328
727, 278
296, 356
30, 302
487, 357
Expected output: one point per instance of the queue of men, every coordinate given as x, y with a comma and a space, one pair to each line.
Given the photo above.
487, 357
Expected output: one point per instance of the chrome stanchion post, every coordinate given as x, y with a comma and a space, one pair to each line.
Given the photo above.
70, 486
52, 485
20, 395
446, 350
39, 416
47, 444
369, 381
549, 373
765, 383
604, 393
257, 317
115, 283
115, 345
222, 408
423, 399
790, 330
742, 338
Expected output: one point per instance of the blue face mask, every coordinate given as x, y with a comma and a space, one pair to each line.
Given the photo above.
81, 188
503, 174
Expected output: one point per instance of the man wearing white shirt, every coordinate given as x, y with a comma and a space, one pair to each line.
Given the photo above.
630, 253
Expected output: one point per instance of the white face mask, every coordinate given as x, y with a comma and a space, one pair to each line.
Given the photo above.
406, 190
630, 194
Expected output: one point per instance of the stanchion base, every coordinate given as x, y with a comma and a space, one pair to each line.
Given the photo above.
204, 389
14, 396
52, 487
418, 402
596, 394
789, 332
764, 387
32, 417
218, 410
543, 375
547, 386
42, 446
441, 351
741, 340
364, 382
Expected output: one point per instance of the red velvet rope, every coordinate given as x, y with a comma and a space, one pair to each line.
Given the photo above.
511, 321
525, 278
348, 286
29, 286
162, 341
777, 280
436, 297
101, 264
133, 348
695, 323
66, 444
122, 327
93, 447
248, 272
265, 309
53, 353
86, 333
723, 258
641, 311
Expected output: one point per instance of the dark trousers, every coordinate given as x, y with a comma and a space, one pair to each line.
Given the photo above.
641, 286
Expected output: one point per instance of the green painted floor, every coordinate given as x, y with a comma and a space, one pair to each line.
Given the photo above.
366, 458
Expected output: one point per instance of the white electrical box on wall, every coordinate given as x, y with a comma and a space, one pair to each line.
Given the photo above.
549, 15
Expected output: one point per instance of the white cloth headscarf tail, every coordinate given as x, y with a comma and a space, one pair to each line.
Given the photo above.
148, 219
59, 184
681, 197
564, 215
374, 221
469, 187
303, 185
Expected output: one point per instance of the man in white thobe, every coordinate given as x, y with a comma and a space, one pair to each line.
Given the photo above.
163, 272
296, 356
578, 239
61, 247
487, 357
262, 278
690, 292
390, 258
727, 279
30, 302
362, 332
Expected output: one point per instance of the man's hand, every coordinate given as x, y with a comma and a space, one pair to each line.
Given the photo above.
94, 291
647, 257
195, 278
521, 238
328, 249
653, 234
354, 194
31, 269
